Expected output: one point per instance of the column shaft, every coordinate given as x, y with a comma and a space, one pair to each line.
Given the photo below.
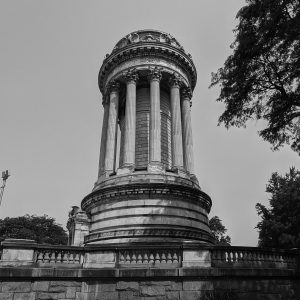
110, 154
103, 137
177, 155
155, 123
188, 157
130, 120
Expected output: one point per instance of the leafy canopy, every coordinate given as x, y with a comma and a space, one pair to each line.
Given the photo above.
42, 229
260, 79
280, 224
218, 230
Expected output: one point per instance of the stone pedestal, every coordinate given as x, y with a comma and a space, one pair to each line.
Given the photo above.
78, 226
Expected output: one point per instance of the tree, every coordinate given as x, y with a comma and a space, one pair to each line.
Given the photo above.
218, 230
42, 229
261, 78
280, 224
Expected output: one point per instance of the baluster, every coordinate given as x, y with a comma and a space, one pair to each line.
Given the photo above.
134, 258
40, 257
127, 258
234, 256
151, 258
145, 258
46, 257
175, 258
139, 258
169, 257
157, 258
58, 259
163, 257
64, 257
122, 258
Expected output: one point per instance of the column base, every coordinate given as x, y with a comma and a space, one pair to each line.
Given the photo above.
155, 167
125, 169
180, 171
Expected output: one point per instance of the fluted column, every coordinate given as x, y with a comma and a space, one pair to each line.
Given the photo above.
110, 153
177, 156
103, 136
155, 124
130, 119
188, 157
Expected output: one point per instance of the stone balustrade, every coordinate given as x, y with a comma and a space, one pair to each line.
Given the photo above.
23, 252
58, 255
253, 257
150, 257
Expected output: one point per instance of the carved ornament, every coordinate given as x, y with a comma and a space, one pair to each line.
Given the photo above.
155, 74
175, 80
113, 86
131, 75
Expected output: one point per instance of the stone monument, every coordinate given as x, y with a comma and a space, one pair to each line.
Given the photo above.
142, 233
146, 189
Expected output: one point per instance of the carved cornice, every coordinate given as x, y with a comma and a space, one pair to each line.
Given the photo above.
155, 74
131, 75
137, 50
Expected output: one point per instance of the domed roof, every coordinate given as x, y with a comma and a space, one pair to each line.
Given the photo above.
148, 35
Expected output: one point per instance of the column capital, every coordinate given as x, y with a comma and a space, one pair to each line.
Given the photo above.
113, 86
175, 80
131, 76
186, 92
155, 74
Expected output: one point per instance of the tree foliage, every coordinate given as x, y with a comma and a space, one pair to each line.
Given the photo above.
218, 230
280, 224
42, 229
261, 79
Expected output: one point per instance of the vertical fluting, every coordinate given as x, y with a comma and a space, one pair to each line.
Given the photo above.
188, 157
130, 119
103, 136
155, 123
110, 154
177, 155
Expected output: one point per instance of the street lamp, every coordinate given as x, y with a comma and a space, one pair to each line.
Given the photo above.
5, 176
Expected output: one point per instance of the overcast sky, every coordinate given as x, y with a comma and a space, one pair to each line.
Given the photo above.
51, 114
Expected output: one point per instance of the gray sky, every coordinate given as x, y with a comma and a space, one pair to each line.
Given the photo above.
51, 115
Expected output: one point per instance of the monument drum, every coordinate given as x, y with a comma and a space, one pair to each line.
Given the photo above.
146, 189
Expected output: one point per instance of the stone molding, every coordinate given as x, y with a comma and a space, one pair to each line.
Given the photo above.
150, 232
166, 52
131, 191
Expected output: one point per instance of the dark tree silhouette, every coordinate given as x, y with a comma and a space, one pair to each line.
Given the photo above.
261, 78
280, 224
219, 230
42, 229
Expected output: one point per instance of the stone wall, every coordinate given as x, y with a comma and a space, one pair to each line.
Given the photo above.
29, 271
151, 289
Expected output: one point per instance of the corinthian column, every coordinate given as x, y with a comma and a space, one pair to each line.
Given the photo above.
155, 125
110, 153
177, 157
103, 136
188, 157
130, 120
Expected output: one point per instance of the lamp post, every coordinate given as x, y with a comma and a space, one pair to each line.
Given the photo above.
5, 176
